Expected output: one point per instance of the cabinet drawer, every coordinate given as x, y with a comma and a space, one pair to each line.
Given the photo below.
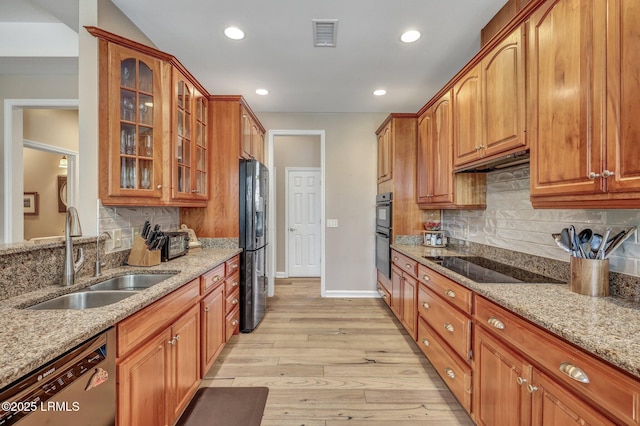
143, 324
386, 296
232, 265
233, 323
210, 279
233, 299
232, 283
607, 387
449, 290
455, 373
452, 325
405, 263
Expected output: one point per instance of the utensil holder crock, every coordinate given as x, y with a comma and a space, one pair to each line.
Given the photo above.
589, 276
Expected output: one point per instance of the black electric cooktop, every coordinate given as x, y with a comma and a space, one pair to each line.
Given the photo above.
482, 270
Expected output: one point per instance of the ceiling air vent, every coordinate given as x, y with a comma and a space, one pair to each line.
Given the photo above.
324, 32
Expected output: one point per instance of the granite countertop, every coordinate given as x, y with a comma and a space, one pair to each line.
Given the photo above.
30, 338
607, 327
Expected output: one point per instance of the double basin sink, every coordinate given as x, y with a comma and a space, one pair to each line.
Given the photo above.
104, 293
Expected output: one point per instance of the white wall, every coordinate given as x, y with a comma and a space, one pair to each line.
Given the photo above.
350, 188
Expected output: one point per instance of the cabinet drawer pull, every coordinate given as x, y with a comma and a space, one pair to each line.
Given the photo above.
234, 322
425, 277
234, 266
448, 327
159, 187
425, 305
216, 278
234, 284
532, 388
407, 265
496, 323
450, 293
382, 294
425, 342
574, 372
449, 372
395, 258
521, 381
234, 302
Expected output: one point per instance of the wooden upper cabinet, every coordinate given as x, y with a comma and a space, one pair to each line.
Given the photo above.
467, 136
438, 186
252, 144
503, 96
623, 109
584, 125
189, 142
435, 153
385, 153
131, 125
489, 105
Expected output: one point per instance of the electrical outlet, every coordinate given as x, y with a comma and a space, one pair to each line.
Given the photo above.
465, 231
116, 236
332, 223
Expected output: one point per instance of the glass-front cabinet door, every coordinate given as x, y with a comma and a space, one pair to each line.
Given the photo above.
136, 124
189, 147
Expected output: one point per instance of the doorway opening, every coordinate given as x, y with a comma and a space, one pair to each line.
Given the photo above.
13, 170
295, 151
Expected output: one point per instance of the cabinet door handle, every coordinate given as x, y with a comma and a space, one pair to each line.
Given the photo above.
450, 293
159, 186
593, 175
521, 381
206, 309
607, 174
496, 323
172, 341
234, 266
574, 372
382, 293
408, 266
448, 327
234, 302
234, 322
532, 388
395, 258
449, 372
425, 305
425, 277
177, 337
234, 284
425, 342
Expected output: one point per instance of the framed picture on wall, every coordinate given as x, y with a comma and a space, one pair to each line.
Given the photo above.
62, 193
30, 203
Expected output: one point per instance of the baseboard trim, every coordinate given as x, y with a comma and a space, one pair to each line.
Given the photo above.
346, 294
281, 275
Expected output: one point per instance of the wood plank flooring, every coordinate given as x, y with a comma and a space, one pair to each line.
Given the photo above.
329, 361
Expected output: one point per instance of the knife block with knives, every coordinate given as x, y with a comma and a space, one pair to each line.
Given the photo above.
140, 254
145, 250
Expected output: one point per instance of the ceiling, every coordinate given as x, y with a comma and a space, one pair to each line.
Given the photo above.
278, 53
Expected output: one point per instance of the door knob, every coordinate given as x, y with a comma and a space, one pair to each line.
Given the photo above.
292, 229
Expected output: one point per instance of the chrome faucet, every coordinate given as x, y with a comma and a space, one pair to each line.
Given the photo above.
99, 264
72, 228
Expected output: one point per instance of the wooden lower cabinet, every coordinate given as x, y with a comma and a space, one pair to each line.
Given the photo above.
143, 379
213, 327
156, 382
409, 305
396, 292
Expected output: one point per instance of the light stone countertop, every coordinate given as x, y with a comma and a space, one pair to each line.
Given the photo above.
30, 338
607, 327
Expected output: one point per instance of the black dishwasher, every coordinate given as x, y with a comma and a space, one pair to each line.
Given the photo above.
77, 388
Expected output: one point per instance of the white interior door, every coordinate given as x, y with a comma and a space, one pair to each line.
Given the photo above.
303, 222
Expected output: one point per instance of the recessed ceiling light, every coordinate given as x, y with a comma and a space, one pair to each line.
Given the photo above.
234, 33
410, 36
262, 92
380, 92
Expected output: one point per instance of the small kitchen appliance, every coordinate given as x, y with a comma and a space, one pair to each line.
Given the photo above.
175, 244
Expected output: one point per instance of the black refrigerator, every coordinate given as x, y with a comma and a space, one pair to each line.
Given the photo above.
254, 179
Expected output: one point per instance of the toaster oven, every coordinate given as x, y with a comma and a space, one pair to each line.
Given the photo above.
175, 245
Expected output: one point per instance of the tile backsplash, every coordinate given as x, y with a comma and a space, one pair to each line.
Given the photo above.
510, 222
129, 220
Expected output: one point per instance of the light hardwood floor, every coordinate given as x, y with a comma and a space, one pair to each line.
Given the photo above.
328, 361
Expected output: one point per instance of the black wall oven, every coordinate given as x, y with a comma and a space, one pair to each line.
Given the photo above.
383, 233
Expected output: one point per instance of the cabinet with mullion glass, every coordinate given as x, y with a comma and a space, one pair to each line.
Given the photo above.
189, 148
135, 143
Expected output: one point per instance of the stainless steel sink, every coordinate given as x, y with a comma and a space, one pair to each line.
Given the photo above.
130, 282
84, 300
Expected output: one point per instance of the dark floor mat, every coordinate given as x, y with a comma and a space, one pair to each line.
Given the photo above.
241, 406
